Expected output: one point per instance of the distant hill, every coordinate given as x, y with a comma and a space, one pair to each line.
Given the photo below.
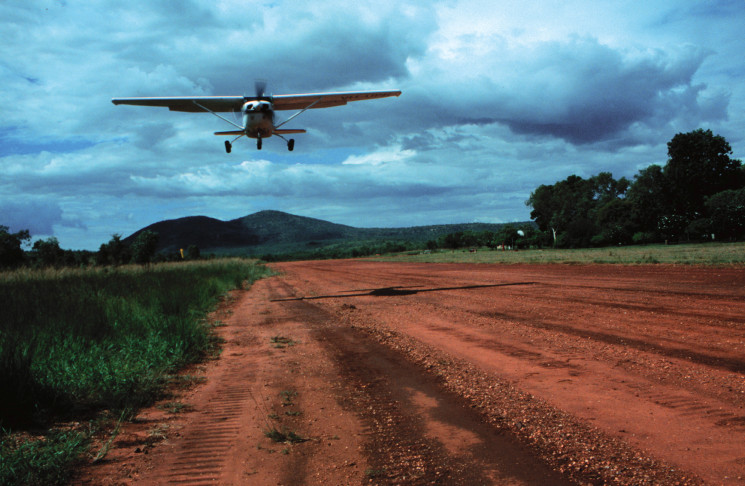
276, 232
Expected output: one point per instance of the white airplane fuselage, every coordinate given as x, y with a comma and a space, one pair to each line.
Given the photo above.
258, 119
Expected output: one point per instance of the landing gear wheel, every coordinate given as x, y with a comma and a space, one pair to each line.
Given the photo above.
258, 144
228, 146
291, 144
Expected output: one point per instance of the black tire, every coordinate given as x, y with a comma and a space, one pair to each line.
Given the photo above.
291, 145
258, 144
228, 146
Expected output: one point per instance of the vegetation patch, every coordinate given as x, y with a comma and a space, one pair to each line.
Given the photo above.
282, 342
47, 460
74, 342
284, 436
287, 396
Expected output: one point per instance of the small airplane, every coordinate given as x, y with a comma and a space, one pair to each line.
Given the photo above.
257, 111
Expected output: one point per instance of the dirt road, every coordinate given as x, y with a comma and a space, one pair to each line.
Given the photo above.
402, 373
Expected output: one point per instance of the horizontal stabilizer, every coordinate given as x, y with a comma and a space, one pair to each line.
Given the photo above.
288, 131
231, 132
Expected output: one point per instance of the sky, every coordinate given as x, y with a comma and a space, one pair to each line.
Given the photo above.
498, 97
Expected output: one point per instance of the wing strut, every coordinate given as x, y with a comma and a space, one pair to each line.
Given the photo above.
218, 116
299, 112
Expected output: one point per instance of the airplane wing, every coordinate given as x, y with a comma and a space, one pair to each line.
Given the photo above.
326, 100
213, 103
234, 103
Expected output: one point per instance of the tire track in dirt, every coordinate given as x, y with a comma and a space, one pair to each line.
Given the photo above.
202, 450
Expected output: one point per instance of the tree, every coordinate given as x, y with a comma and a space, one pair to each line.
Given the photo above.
727, 213
545, 205
649, 203
451, 240
11, 251
565, 208
699, 166
48, 252
115, 252
507, 235
607, 189
144, 247
614, 220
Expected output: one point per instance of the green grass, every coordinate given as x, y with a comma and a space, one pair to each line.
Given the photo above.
175, 407
41, 461
282, 342
287, 396
686, 254
74, 342
284, 436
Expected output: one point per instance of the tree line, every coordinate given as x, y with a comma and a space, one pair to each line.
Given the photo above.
698, 195
47, 252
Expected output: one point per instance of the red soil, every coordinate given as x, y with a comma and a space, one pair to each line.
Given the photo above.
402, 373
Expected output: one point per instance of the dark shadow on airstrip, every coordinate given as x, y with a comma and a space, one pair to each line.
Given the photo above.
399, 290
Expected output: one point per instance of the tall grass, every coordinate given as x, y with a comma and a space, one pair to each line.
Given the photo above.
72, 339
75, 341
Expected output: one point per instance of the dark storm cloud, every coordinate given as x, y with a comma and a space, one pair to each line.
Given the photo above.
600, 92
314, 48
580, 91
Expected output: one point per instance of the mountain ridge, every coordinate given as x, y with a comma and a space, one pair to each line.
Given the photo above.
272, 231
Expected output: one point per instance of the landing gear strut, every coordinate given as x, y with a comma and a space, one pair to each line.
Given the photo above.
290, 142
228, 146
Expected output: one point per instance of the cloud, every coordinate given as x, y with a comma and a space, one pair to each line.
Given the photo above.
38, 215
579, 90
392, 154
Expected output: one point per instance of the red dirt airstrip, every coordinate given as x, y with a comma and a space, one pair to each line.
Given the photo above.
399, 373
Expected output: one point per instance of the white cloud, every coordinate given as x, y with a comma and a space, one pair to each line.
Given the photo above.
389, 155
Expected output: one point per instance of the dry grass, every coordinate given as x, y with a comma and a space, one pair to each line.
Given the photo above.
685, 254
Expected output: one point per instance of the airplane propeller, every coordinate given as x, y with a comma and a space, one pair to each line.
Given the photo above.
260, 87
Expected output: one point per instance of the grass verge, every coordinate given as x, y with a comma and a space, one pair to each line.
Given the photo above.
76, 342
685, 254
